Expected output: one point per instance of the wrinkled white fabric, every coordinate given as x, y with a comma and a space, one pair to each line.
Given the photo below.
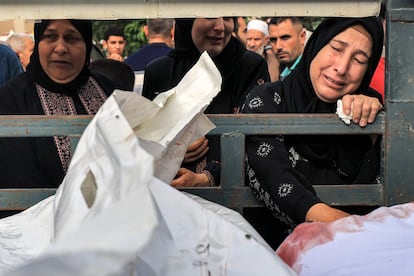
115, 214
379, 243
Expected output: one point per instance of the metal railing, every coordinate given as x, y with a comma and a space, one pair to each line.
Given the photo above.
233, 130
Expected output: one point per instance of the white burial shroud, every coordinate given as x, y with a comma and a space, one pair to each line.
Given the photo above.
379, 243
116, 214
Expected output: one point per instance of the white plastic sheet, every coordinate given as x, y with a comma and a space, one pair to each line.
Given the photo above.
115, 214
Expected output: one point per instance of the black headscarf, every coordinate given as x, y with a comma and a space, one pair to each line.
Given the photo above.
300, 90
36, 72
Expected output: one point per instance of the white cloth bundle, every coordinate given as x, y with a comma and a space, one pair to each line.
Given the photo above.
115, 214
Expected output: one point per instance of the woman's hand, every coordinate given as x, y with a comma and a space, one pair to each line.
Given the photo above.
364, 109
196, 150
321, 212
187, 178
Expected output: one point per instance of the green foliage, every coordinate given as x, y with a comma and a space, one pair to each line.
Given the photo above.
311, 23
135, 35
133, 30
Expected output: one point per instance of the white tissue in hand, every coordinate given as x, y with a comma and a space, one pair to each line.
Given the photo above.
339, 110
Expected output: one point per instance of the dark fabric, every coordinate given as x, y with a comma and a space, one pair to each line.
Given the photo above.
34, 162
240, 69
283, 169
30, 162
117, 72
9, 63
35, 70
146, 54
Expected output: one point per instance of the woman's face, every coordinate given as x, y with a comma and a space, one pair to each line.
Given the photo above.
62, 51
212, 34
340, 66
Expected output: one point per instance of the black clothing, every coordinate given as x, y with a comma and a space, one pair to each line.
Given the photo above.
240, 69
35, 162
117, 72
282, 169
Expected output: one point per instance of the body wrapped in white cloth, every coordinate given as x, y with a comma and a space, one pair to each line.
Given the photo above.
379, 243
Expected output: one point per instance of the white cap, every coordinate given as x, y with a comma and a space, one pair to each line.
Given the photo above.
258, 25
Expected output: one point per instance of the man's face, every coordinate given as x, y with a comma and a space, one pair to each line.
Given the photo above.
287, 41
255, 41
115, 45
242, 29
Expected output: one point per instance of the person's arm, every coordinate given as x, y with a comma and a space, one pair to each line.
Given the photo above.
322, 212
188, 178
283, 189
209, 177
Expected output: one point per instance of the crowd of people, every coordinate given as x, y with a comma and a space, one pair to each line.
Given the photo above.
268, 65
